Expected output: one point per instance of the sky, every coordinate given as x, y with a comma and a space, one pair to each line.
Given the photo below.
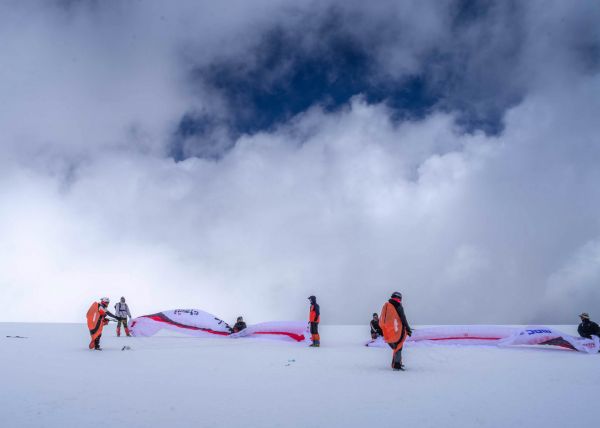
238, 156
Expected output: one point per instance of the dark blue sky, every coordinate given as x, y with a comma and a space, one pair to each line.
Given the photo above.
284, 78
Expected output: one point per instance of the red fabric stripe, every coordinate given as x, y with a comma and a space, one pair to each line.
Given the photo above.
296, 337
465, 338
189, 327
159, 318
561, 345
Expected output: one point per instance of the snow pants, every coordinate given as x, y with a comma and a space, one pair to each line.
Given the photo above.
96, 334
96, 342
397, 354
314, 331
124, 322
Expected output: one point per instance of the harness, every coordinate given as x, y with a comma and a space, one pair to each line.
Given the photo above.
121, 308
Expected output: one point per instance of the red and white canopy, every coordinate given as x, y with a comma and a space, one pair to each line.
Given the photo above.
195, 322
499, 336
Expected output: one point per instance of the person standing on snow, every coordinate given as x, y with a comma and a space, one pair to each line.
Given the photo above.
375, 328
96, 320
587, 327
239, 325
122, 311
395, 328
314, 317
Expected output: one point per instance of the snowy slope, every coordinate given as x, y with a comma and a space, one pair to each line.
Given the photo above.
51, 379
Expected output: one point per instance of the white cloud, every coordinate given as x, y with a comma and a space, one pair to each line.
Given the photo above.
346, 205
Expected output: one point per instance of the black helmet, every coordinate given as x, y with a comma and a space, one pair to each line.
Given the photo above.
312, 298
397, 295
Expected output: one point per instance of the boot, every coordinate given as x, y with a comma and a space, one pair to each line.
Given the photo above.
315, 341
127, 332
397, 360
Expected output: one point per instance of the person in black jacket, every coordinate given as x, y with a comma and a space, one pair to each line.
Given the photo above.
239, 325
375, 328
587, 327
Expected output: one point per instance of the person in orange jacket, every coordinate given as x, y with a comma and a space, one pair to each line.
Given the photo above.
96, 320
395, 328
313, 318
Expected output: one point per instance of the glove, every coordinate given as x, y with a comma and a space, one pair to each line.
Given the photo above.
105, 321
409, 331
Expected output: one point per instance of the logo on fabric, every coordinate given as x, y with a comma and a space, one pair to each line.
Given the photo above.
185, 311
540, 331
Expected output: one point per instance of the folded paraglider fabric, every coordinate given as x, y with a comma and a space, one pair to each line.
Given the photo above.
492, 335
195, 322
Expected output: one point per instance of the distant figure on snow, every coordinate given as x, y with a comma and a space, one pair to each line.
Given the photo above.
587, 327
395, 328
375, 328
122, 311
239, 325
96, 320
314, 317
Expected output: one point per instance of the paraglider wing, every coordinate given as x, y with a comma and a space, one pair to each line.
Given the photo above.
193, 322
498, 336
463, 334
537, 335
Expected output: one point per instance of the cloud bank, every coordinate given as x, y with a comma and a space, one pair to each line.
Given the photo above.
239, 157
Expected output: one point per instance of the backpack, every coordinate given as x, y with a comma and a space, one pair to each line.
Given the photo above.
390, 323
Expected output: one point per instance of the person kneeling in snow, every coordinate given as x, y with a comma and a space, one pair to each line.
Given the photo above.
239, 325
375, 328
96, 320
122, 311
395, 328
587, 327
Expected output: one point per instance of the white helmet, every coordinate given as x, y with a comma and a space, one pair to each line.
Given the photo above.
105, 301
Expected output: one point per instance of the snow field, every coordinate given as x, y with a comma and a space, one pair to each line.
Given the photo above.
51, 379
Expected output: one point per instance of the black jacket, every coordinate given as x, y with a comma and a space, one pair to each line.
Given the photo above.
396, 304
110, 314
314, 307
588, 328
239, 326
375, 329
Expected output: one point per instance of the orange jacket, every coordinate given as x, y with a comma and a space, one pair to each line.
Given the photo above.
390, 323
315, 313
95, 318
